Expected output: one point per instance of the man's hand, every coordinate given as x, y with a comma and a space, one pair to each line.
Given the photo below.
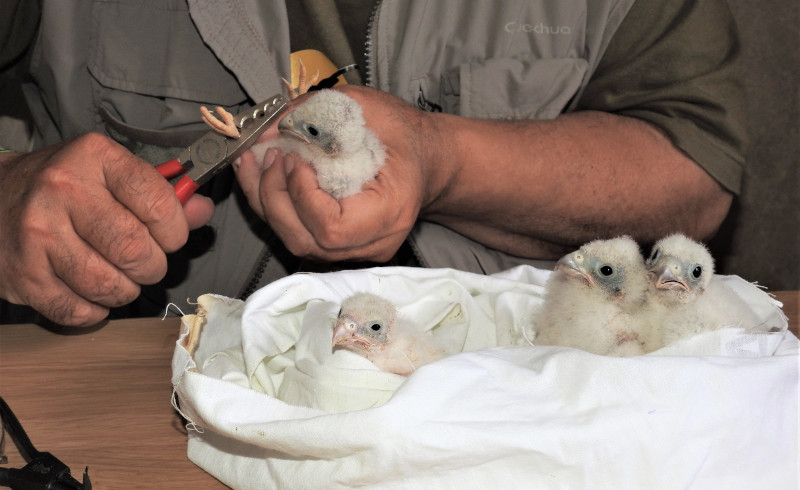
84, 224
370, 225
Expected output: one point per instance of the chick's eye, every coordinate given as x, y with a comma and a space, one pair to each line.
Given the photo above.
312, 130
606, 270
697, 271
654, 255
376, 327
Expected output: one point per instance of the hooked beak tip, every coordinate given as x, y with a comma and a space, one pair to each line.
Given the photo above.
568, 265
286, 126
340, 333
666, 279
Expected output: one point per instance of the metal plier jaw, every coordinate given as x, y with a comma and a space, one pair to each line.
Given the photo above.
213, 151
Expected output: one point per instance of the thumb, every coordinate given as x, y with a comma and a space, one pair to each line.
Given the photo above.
199, 211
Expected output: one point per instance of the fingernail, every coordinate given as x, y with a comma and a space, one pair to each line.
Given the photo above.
269, 158
288, 163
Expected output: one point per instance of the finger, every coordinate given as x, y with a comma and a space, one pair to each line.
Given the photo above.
67, 308
199, 211
47, 294
364, 226
325, 233
89, 275
142, 190
120, 237
249, 171
279, 208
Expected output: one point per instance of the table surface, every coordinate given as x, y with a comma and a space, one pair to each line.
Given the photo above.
102, 398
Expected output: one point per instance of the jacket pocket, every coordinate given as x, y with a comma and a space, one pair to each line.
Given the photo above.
513, 88
150, 67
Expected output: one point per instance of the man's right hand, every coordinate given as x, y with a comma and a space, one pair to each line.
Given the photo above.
83, 224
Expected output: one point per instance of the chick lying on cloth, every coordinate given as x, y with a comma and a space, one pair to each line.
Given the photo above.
606, 299
370, 326
276, 407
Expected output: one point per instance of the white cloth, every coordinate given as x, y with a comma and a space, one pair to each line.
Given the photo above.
275, 408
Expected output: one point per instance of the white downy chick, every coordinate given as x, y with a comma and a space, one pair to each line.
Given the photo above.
371, 327
593, 298
329, 132
685, 298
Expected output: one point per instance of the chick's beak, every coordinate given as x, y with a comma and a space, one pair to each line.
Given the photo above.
668, 278
571, 264
288, 126
342, 331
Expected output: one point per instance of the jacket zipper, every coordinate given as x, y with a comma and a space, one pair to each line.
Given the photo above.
369, 45
258, 272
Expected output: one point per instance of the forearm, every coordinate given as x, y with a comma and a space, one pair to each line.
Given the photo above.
6, 156
538, 188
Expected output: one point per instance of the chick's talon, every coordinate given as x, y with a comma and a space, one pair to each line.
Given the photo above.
292, 94
223, 125
303, 84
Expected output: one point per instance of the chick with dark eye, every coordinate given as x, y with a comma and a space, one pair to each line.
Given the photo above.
370, 326
681, 266
592, 299
329, 132
684, 297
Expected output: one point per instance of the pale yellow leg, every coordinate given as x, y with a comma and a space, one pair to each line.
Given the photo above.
303, 85
224, 126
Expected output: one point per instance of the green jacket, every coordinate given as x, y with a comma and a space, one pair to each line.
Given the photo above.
139, 69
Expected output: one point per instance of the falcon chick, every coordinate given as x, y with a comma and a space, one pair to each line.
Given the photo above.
593, 299
685, 298
329, 132
369, 326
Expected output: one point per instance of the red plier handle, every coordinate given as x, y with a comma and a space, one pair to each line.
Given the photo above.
213, 151
185, 187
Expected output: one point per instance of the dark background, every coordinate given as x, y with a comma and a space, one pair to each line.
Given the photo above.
760, 240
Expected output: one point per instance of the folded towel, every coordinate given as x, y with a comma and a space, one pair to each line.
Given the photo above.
272, 406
